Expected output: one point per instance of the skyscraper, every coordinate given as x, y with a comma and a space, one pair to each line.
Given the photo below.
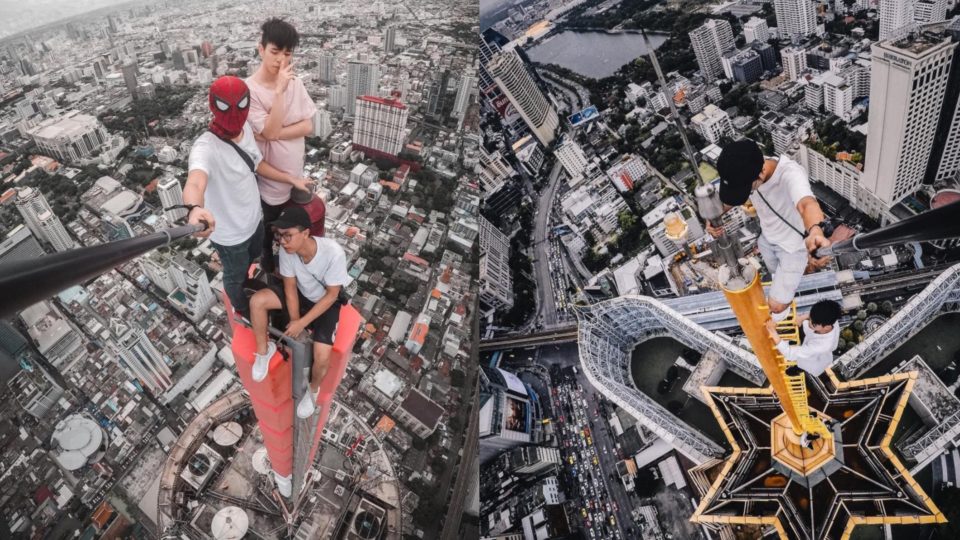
327, 68
129, 70
709, 42
379, 124
171, 194
40, 219
945, 156
390, 39
907, 87
796, 18
894, 14
487, 52
511, 76
462, 101
363, 79
139, 358
337, 97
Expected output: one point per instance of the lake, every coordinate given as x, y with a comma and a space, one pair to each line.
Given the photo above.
592, 54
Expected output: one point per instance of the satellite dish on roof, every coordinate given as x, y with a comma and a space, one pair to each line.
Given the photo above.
230, 523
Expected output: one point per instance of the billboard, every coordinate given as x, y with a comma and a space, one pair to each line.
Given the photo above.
506, 109
584, 116
515, 416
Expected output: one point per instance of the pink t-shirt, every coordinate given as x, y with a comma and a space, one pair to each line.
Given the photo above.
286, 155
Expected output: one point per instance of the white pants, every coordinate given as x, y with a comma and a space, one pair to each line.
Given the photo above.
785, 267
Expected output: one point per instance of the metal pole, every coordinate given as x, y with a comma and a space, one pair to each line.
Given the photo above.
691, 155
26, 282
937, 224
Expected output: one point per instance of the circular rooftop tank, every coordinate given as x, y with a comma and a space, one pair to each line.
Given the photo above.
227, 434
75, 439
366, 525
261, 463
230, 523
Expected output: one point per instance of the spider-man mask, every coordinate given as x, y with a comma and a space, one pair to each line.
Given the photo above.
230, 103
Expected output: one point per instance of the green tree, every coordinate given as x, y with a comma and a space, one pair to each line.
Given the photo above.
872, 307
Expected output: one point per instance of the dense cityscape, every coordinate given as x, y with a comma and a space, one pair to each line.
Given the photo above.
602, 325
122, 413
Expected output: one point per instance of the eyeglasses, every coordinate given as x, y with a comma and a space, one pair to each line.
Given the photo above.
283, 238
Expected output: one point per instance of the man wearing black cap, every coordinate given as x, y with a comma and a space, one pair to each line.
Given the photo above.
314, 270
791, 221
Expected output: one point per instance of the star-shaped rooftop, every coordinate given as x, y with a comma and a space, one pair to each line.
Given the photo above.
864, 482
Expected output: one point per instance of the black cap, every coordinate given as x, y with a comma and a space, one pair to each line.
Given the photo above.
739, 165
292, 216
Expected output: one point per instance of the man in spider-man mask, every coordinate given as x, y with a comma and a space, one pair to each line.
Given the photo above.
221, 189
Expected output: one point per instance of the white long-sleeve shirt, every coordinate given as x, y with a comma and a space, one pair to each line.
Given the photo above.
815, 354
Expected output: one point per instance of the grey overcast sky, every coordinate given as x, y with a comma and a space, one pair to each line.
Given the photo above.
19, 15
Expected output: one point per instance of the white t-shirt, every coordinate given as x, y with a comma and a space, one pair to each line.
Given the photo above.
783, 191
815, 354
232, 195
327, 268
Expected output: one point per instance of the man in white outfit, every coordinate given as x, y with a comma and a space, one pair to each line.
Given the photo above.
821, 335
791, 221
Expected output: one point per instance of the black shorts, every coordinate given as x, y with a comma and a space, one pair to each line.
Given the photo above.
324, 327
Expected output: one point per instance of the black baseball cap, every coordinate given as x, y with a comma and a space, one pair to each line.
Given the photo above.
292, 216
739, 165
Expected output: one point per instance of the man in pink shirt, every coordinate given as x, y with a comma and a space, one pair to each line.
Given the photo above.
281, 114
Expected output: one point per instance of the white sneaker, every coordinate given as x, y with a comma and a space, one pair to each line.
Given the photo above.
284, 484
261, 363
307, 407
777, 317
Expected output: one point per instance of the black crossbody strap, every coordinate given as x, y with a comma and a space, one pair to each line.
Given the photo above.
779, 216
243, 153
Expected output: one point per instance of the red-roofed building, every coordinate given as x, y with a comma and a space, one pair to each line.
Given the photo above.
418, 334
415, 260
379, 124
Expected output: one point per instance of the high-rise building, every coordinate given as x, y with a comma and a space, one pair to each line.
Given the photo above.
139, 358
171, 194
496, 289
380, 124
533, 459
40, 219
929, 11
494, 171
129, 70
756, 30
945, 156
462, 101
321, 124
70, 137
768, 56
486, 53
337, 97
795, 18
627, 172
894, 15
193, 295
511, 76
907, 87
363, 79
327, 68
390, 39
709, 42
713, 123
572, 158
837, 95
179, 60
747, 67
19, 244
